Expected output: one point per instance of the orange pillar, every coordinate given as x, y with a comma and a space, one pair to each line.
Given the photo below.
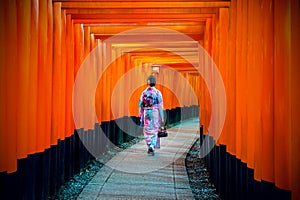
98, 95
78, 57
225, 72
42, 77
49, 69
56, 78
267, 93
62, 77
241, 65
9, 85
231, 80
87, 40
22, 72
69, 128
33, 81
78, 47
205, 99
295, 98
105, 83
2, 90
282, 94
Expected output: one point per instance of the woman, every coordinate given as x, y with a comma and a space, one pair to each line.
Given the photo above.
151, 114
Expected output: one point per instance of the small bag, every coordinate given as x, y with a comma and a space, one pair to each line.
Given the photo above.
162, 132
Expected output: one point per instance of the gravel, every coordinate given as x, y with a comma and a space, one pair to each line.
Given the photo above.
72, 188
198, 174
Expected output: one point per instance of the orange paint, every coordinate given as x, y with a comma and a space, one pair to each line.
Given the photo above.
255, 44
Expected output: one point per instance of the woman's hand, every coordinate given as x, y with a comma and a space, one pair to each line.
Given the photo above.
162, 121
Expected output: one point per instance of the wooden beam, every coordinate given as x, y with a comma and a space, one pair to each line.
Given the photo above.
148, 38
92, 22
196, 37
166, 50
172, 56
111, 30
166, 59
141, 21
138, 17
146, 11
148, 24
138, 0
138, 4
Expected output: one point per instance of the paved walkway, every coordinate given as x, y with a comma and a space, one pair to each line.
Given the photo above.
134, 174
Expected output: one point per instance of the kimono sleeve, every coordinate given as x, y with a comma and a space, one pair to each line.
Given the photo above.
141, 109
160, 104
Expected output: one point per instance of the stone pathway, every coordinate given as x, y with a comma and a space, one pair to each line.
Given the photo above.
134, 174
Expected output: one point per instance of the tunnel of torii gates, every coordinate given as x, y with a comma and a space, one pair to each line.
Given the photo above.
254, 45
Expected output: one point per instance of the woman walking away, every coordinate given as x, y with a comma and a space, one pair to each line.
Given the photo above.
151, 114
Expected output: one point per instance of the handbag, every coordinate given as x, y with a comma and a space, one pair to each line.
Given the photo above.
162, 132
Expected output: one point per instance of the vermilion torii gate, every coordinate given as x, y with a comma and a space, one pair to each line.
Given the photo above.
255, 45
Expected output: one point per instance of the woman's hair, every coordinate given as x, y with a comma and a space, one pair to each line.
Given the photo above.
151, 80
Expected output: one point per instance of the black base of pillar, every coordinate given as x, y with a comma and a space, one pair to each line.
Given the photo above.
235, 181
